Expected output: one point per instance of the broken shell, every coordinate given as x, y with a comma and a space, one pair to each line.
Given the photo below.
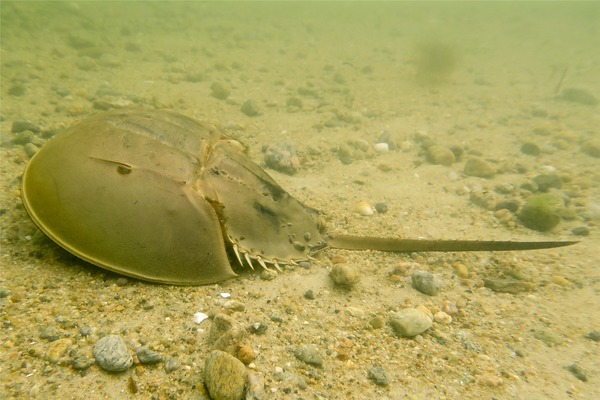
381, 147
363, 208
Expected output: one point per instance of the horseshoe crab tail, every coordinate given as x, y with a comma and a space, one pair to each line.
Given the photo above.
350, 242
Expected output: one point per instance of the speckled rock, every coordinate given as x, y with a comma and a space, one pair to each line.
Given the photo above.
309, 353
111, 354
225, 376
378, 376
344, 275
410, 322
425, 282
282, 157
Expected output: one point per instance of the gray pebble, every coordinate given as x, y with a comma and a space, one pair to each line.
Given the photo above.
21, 125
258, 328
511, 205
147, 356
381, 208
581, 231
479, 168
410, 322
425, 282
30, 149
219, 91
282, 157
309, 354
594, 335
378, 376
50, 333
85, 331
22, 137
224, 376
171, 364
546, 182
578, 372
531, 149
250, 108
112, 354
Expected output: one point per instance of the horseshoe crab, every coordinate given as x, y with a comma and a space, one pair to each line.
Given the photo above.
160, 197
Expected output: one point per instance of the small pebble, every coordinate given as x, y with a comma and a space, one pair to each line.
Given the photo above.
410, 322
479, 168
112, 354
381, 208
224, 376
171, 364
376, 322
246, 354
531, 149
578, 372
378, 376
255, 389
58, 349
250, 108
309, 294
258, 328
81, 362
425, 282
219, 91
440, 155
282, 157
268, 274
442, 318
85, 330
21, 125
560, 280
147, 356
546, 182
581, 231
593, 335
461, 270
344, 275
309, 354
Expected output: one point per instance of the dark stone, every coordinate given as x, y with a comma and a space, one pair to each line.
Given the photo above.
21, 125
531, 149
378, 376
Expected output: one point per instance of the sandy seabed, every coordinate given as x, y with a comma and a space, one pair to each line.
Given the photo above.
333, 79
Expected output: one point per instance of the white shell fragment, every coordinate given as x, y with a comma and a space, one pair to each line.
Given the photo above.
225, 295
381, 147
199, 317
